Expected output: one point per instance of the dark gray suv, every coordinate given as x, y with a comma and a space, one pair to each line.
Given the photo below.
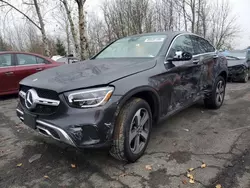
113, 99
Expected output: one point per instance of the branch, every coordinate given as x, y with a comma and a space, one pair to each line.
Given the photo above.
21, 13
28, 3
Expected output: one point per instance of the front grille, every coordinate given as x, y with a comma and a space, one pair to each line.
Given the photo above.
44, 93
40, 108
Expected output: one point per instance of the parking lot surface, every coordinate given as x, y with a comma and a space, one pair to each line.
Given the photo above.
219, 139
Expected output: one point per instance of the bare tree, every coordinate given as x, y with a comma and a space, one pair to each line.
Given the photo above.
82, 29
127, 17
45, 40
223, 27
72, 26
41, 23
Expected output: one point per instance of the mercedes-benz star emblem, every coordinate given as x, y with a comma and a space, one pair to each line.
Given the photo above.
30, 99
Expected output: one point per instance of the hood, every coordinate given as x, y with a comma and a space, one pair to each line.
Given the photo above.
232, 63
87, 73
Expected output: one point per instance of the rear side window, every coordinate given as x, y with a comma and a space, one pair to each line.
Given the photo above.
41, 61
206, 45
181, 43
5, 60
23, 59
201, 45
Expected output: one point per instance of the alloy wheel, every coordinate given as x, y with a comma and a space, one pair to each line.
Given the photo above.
220, 92
139, 131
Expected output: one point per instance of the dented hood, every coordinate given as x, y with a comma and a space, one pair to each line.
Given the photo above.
87, 73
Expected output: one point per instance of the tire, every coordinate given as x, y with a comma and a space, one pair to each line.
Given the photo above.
127, 126
214, 101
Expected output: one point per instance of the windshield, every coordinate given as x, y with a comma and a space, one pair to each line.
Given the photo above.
136, 46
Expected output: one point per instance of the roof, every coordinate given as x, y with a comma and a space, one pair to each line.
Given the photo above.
172, 33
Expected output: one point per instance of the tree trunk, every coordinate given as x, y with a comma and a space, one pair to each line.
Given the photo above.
184, 13
193, 15
68, 38
198, 18
82, 31
171, 16
72, 27
45, 40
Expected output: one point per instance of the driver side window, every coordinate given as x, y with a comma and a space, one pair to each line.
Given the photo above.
181, 43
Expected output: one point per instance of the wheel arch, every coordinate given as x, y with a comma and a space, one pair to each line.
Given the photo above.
146, 93
224, 75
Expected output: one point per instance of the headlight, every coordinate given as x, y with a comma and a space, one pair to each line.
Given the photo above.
89, 98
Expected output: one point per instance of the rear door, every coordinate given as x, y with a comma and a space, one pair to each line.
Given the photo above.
206, 57
7, 77
25, 65
43, 64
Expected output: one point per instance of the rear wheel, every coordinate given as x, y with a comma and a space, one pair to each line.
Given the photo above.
216, 98
132, 131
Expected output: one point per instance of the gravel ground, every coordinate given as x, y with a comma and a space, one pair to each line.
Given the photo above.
220, 139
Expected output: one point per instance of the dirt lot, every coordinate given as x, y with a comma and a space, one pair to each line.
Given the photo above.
220, 139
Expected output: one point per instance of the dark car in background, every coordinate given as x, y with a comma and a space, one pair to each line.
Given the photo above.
113, 99
238, 65
14, 66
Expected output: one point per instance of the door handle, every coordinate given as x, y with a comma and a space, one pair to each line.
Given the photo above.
39, 69
9, 73
215, 56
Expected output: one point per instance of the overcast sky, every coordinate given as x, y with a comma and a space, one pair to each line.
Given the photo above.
241, 8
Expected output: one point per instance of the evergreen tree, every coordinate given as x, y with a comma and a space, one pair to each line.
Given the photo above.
3, 45
60, 48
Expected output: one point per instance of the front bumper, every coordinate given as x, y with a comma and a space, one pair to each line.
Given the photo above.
237, 73
81, 128
44, 129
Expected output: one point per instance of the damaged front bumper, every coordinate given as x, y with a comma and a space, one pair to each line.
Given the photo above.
237, 73
81, 128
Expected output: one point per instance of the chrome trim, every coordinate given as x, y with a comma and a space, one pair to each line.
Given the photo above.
40, 100
64, 137
22, 94
19, 111
47, 131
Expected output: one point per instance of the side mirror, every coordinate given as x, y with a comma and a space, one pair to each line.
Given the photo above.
181, 56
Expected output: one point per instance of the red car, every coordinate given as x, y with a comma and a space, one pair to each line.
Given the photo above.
14, 66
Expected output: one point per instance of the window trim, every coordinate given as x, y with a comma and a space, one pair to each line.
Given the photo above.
45, 60
190, 34
201, 38
12, 60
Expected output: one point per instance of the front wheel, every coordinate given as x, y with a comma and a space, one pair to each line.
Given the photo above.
132, 131
216, 98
